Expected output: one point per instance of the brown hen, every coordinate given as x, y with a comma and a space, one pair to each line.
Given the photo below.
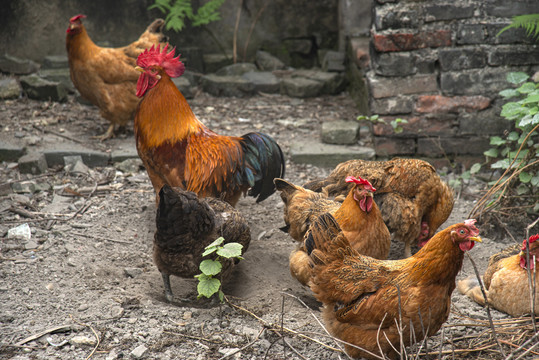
365, 299
358, 216
414, 201
506, 280
106, 76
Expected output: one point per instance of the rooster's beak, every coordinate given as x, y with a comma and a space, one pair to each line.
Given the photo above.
475, 238
138, 68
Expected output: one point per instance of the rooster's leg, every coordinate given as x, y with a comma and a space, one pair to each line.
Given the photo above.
168, 289
107, 135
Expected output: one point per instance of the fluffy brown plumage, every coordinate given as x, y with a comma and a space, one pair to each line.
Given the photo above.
506, 280
361, 224
106, 76
414, 201
362, 295
186, 225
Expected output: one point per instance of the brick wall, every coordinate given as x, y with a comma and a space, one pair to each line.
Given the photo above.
440, 65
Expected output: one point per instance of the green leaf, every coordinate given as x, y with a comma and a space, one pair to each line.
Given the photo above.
475, 168
210, 267
491, 153
534, 181
230, 250
217, 242
512, 136
208, 286
535, 119
466, 175
525, 177
496, 140
526, 88
522, 189
501, 164
517, 77
221, 296
512, 110
508, 93
532, 99
526, 120
209, 250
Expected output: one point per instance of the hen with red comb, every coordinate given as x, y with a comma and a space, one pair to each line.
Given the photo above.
506, 279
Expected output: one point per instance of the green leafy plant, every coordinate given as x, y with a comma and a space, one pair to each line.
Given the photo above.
517, 152
530, 22
208, 284
177, 11
395, 124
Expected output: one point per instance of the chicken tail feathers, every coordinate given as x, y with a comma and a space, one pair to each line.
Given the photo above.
181, 214
324, 240
264, 161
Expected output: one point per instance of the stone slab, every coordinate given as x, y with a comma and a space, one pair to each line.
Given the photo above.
327, 155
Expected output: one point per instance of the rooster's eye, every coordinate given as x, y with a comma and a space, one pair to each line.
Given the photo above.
462, 232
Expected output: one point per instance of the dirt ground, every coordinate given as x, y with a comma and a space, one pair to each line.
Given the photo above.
84, 284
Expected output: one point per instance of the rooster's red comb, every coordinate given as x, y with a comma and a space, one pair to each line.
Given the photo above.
76, 18
154, 56
361, 181
471, 224
532, 239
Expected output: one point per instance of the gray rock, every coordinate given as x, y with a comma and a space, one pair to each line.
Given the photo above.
193, 58
333, 61
89, 157
268, 62
41, 89
340, 132
327, 155
193, 77
263, 81
129, 165
332, 82
10, 152
24, 187
33, 163
214, 62
132, 272
184, 85
301, 87
9, 88
58, 204
58, 75
14, 65
226, 85
139, 352
55, 62
236, 69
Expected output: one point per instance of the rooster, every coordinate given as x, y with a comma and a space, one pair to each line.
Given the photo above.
414, 201
374, 304
186, 225
358, 216
178, 150
506, 280
105, 76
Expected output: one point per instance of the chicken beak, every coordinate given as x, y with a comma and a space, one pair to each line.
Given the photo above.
475, 238
139, 69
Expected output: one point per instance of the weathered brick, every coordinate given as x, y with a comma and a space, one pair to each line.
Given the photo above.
461, 145
425, 125
486, 122
504, 8
442, 104
468, 34
518, 55
395, 19
386, 87
33, 163
390, 106
474, 82
425, 61
459, 58
409, 41
394, 64
510, 36
390, 146
447, 12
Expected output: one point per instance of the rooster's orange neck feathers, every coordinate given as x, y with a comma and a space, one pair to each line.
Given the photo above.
80, 44
154, 119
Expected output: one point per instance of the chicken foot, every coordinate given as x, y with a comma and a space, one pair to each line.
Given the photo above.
168, 289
